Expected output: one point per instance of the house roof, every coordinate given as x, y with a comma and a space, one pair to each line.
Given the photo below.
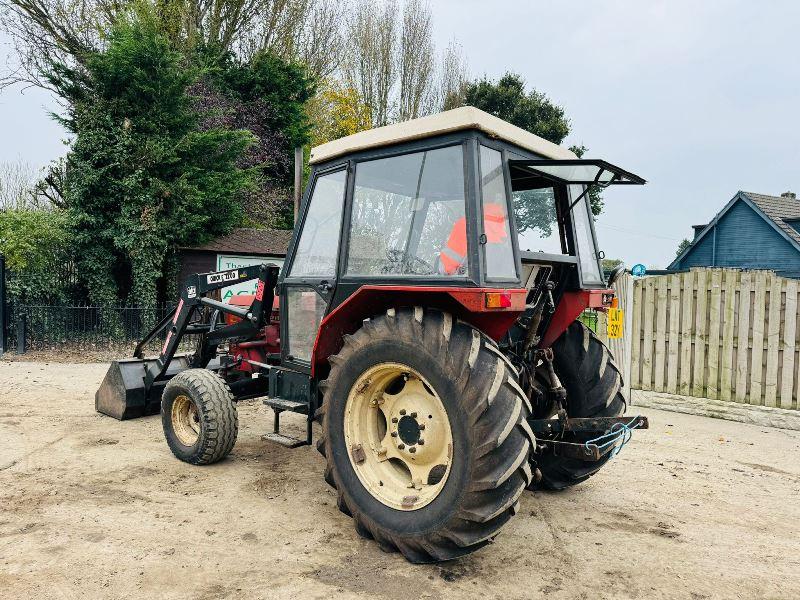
244, 240
458, 119
778, 211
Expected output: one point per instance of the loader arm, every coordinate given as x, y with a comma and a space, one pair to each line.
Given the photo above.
193, 297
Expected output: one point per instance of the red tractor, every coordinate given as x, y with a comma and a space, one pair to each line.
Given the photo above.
443, 363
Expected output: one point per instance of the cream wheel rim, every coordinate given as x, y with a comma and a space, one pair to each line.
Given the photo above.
185, 420
398, 436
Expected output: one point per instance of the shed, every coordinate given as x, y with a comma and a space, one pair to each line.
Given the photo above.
241, 247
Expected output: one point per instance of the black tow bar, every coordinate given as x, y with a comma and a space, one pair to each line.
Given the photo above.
612, 432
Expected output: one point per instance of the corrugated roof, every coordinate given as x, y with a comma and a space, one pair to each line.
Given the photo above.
780, 209
244, 240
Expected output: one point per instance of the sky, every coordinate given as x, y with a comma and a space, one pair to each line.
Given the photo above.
702, 99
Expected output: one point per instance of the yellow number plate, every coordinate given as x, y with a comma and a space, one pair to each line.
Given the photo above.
614, 323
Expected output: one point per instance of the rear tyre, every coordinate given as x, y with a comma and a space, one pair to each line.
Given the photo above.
593, 383
425, 434
199, 417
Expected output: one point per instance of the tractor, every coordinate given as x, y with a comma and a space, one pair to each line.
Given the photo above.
424, 323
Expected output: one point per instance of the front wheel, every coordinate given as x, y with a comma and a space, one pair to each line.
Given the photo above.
425, 434
199, 417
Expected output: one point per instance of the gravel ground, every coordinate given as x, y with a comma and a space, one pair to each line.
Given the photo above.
95, 508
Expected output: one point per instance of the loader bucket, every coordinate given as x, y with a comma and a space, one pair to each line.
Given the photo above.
122, 394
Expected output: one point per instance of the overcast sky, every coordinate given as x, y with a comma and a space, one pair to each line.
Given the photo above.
702, 99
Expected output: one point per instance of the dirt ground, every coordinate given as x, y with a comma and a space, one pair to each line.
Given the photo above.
95, 508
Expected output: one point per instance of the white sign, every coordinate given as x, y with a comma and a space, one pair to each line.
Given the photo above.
225, 262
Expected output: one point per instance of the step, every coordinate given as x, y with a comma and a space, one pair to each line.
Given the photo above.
284, 404
284, 440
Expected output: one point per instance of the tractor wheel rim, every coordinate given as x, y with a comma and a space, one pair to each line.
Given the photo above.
398, 436
185, 420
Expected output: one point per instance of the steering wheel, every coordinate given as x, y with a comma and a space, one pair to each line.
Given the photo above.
408, 262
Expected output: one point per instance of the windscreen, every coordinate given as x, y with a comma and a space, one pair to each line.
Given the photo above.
408, 215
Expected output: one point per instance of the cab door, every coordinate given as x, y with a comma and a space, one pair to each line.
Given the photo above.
310, 273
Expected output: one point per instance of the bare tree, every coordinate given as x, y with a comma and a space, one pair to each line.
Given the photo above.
452, 78
416, 61
17, 183
370, 65
66, 31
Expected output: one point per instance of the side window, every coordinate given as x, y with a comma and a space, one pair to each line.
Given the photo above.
408, 215
305, 309
584, 238
537, 221
499, 252
319, 241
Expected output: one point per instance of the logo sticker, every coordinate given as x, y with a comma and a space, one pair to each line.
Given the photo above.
191, 292
212, 278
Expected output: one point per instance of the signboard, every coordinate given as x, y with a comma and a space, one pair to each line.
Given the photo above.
225, 263
615, 319
638, 270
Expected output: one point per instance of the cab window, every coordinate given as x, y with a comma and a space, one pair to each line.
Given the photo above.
319, 241
408, 215
498, 249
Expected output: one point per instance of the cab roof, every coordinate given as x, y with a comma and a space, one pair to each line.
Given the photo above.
458, 119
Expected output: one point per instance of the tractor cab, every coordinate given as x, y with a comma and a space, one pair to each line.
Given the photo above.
458, 200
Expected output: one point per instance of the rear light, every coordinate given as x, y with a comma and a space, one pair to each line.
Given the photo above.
615, 302
498, 299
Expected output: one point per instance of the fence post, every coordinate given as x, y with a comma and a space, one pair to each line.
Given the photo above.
3, 315
22, 323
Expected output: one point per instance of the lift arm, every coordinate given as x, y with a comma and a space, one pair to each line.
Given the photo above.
193, 296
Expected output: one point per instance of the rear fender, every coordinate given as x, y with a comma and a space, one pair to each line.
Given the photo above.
569, 308
466, 304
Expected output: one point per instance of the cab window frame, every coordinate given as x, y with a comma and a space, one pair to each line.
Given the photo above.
416, 148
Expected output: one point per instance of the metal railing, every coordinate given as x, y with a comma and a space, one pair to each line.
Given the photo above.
85, 328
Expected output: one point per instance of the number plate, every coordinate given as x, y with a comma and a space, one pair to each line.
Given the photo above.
615, 317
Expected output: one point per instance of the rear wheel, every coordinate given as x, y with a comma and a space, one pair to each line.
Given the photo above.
593, 383
425, 434
199, 417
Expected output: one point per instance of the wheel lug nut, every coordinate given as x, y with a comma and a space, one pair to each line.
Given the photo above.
401, 446
402, 411
394, 434
421, 442
413, 415
394, 419
412, 449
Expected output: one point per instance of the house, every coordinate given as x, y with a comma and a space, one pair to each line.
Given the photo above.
240, 248
752, 231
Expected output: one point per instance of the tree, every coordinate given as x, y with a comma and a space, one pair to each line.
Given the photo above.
35, 244
685, 243
508, 100
17, 182
141, 179
533, 111
337, 111
69, 31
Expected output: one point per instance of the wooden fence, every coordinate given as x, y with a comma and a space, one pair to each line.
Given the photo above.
723, 334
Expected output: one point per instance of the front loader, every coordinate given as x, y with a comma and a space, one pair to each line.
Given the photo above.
442, 362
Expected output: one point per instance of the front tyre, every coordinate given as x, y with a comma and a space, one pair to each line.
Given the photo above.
199, 417
425, 434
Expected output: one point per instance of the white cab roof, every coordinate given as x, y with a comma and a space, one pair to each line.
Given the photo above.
466, 117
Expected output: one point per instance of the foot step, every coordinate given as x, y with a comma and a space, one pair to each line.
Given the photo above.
290, 405
283, 440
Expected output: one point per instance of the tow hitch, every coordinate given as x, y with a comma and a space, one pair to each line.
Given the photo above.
612, 434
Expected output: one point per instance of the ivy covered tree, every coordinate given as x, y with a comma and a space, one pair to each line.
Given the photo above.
141, 178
